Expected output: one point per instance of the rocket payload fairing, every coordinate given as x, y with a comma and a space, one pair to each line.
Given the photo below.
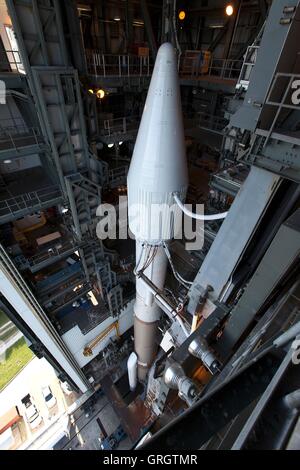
158, 170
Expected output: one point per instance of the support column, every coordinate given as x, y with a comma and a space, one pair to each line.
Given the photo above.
149, 29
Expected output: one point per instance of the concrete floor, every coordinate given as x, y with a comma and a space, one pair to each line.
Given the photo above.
85, 429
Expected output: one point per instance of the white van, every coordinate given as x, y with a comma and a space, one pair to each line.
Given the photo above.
32, 415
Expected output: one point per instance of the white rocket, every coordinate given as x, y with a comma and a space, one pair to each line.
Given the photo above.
158, 170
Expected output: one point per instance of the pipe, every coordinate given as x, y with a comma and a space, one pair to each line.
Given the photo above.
198, 216
292, 400
176, 273
287, 336
88, 350
163, 302
176, 379
200, 349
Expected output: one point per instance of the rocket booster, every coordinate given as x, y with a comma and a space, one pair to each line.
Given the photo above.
158, 169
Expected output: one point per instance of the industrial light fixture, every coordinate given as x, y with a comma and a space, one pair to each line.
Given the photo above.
120, 143
84, 8
138, 23
100, 93
117, 18
216, 23
216, 26
7, 161
110, 145
79, 286
181, 15
91, 91
229, 10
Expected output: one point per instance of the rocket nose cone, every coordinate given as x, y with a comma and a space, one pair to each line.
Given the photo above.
166, 50
158, 166
166, 55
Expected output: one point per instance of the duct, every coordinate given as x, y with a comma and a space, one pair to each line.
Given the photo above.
200, 349
176, 379
292, 400
292, 333
215, 410
198, 216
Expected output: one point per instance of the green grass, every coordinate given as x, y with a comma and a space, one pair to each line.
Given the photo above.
17, 356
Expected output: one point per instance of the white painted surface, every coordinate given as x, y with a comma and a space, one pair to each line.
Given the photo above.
6, 439
37, 370
158, 167
132, 370
76, 340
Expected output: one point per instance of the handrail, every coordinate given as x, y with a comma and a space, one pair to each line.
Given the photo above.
208, 122
106, 65
121, 125
282, 102
12, 122
28, 200
212, 122
117, 65
247, 67
17, 136
225, 68
118, 176
124, 125
52, 252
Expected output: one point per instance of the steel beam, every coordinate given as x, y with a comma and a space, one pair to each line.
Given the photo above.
234, 235
149, 30
25, 304
279, 258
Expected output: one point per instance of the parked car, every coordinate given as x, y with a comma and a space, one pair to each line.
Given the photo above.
48, 397
32, 415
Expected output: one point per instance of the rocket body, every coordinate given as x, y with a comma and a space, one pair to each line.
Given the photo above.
158, 169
